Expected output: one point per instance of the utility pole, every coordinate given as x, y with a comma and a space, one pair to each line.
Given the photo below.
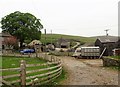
107, 31
45, 40
51, 36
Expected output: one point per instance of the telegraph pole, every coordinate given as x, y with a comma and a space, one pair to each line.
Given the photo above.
45, 39
51, 36
107, 31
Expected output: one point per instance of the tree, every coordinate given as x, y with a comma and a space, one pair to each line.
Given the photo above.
24, 26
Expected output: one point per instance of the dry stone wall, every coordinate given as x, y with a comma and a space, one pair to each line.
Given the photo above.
111, 62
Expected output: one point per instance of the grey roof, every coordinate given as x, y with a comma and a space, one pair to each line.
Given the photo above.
63, 40
4, 34
34, 42
105, 39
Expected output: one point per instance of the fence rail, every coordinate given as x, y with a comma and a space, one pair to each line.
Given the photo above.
38, 70
53, 70
11, 76
44, 64
10, 69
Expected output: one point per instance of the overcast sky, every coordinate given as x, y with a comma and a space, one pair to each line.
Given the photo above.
72, 17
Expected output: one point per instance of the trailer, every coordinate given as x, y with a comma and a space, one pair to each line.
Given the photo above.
90, 51
87, 52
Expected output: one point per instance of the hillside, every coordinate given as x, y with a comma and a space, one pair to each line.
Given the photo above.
103, 36
52, 38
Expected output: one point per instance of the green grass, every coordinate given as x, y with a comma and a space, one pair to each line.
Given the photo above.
62, 77
14, 62
55, 37
58, 81
114, 68
115, 57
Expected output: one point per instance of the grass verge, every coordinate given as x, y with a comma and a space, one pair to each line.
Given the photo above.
60, 79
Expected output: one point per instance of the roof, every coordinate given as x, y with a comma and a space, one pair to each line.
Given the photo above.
91, 47
63, 40
105, 39
4, 34
34, 42
64, 43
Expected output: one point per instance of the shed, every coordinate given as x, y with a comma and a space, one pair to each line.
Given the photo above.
62, 43
34, 42
106, 41
118, 43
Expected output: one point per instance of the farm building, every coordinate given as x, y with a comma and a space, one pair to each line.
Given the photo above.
3, 36
118, 43
116, 51
50, 47
62, 43
106, 41
35, 44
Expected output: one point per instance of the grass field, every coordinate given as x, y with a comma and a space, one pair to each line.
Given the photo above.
116, 57
14, 62
52, 38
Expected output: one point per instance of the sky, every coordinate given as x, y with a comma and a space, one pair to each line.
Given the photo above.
72, 17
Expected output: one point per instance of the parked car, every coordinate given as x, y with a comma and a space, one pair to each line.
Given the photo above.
27, 51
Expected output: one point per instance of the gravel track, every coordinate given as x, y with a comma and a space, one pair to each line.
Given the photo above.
88, 72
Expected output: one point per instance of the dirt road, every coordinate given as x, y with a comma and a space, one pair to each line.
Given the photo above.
88, 72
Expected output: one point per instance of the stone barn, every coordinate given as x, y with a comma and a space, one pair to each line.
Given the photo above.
36, 44
118, 43
62, 43
106, 41
3, 37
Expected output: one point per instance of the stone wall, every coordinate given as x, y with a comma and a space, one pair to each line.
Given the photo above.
110, 62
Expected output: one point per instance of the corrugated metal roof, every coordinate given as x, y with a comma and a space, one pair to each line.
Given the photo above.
105, 39
34, 42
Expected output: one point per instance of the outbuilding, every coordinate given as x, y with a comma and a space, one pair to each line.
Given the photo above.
108, 42
36, 44
62, 43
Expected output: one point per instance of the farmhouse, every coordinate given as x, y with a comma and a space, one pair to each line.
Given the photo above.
3, 36
106, 41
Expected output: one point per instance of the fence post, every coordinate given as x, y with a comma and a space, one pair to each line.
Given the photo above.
23, 73
59, 61
51, 58
45, 56
29, 55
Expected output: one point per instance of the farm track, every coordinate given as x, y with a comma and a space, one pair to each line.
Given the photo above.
88, 72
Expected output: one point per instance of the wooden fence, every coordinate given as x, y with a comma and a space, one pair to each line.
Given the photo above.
51, 71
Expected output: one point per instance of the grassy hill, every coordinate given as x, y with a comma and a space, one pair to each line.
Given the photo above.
52, 38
